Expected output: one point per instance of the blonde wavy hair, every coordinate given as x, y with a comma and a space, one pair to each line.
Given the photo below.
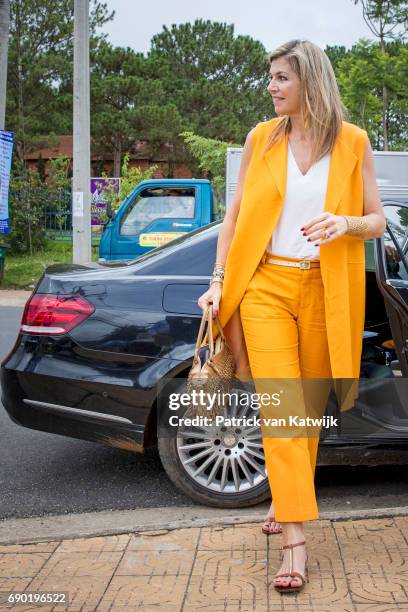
321, 108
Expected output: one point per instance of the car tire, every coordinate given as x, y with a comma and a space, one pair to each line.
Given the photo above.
170, 442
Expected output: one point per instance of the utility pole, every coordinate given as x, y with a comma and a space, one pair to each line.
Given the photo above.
4, 36
81, 212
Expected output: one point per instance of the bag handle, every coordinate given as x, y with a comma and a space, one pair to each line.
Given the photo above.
207, 318
201, 330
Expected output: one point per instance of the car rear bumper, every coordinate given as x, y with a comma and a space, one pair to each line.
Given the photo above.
32, 401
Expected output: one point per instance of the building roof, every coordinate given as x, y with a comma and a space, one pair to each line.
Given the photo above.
64, 147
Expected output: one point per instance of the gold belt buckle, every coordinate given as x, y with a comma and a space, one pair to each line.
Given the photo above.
304, 265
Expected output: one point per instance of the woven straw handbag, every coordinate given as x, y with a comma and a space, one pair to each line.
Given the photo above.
213, 367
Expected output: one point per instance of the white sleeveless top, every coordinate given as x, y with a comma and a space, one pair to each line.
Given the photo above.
305, 197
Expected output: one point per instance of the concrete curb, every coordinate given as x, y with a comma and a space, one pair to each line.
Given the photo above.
92, 524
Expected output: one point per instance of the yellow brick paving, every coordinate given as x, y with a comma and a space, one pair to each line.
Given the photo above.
355, 565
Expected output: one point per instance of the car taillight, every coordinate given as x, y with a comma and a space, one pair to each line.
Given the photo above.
54, 314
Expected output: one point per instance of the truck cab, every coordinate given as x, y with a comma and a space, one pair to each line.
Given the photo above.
157, 211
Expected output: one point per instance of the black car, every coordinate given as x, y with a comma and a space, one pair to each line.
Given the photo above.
97, 341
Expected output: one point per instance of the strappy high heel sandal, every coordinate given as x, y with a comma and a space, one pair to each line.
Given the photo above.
304, 579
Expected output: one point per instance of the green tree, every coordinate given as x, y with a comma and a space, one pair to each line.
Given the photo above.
39, 93
217, 80
129, 104
211, 157
386, 19
335, 54
361, 75
58, 177
398, 113
26, 207
4, 42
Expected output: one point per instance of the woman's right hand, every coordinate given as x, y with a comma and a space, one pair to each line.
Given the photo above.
213, 294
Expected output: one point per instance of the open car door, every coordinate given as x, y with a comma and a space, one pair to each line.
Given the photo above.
391, 261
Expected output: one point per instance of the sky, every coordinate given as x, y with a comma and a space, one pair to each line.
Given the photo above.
324, 22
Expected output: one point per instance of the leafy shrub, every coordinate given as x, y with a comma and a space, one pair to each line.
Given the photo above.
26, 205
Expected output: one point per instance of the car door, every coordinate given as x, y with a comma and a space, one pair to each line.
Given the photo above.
380, 413
155, 216
391, 259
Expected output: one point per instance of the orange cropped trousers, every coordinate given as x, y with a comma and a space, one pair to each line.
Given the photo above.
283, 319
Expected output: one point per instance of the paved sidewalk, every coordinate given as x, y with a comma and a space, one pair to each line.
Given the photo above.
14, 297
354, 565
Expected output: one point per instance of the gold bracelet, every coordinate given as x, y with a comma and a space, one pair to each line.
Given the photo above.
356, 226
219, 277
218, 270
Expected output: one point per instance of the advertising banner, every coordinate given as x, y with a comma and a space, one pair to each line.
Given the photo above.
98, 188
6, 155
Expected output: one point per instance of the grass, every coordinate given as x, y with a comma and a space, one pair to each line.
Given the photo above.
23, 271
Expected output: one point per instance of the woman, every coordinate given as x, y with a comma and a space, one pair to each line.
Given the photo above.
290, 266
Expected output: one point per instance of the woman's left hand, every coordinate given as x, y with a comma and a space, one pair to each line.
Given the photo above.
314, 230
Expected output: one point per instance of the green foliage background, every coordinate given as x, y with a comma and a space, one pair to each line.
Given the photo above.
199, 89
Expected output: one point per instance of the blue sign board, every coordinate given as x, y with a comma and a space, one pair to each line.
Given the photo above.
6, 154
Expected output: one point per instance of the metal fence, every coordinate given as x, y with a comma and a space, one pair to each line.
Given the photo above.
57, 215
55, 210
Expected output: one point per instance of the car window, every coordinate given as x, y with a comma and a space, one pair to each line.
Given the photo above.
190, 255
396, 241
157, 203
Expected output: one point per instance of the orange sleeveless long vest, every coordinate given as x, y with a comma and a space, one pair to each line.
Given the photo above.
342, 262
